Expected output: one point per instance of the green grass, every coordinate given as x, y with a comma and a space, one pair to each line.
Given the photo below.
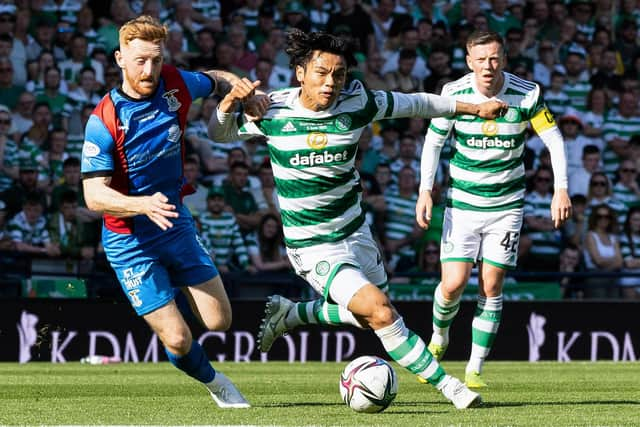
520, 394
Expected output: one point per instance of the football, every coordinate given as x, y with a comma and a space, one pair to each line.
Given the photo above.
368, 384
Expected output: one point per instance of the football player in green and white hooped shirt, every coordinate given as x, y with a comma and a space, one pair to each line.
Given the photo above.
484, 209
313, 134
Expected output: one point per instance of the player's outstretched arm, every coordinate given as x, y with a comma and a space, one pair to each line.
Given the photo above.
487, 110
429, 105
224, 81
102, 198
255, 103
222, 124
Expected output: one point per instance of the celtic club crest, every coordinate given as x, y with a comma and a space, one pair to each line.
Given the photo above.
322, 268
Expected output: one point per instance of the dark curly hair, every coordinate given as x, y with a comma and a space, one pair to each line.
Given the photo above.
300, 46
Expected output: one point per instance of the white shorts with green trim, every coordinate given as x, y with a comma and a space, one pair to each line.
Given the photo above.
319, 264
491, 237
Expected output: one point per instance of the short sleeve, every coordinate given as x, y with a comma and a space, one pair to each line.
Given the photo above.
200, 84
97, 150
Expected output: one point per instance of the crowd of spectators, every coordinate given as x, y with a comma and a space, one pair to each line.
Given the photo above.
56, 62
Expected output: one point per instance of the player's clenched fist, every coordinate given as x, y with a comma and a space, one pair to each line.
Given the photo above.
492, 109
241, 91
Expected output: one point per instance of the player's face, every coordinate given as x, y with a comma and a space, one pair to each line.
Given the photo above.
487, 61
141, 62
321, 80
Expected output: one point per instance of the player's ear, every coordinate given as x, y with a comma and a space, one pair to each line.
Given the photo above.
300, 73
119, 59
469, 63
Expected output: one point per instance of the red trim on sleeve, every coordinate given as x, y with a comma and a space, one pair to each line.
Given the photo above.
106, 112
173, 80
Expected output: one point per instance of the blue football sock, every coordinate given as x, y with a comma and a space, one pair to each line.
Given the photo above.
195, 363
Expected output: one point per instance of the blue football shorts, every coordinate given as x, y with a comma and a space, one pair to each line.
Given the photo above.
150, 270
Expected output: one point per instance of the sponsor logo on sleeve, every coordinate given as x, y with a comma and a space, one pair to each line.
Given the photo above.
89, 149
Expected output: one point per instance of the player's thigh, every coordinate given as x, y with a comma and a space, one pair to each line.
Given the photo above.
320, 265
167, 322
461, 236
211, 303
188, 261
365, 249
501, 238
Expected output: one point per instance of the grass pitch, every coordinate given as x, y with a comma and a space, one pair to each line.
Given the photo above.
520, 394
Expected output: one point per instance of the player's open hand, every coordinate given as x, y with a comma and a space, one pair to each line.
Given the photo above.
159, 211
560, 207
492, 109
423, 209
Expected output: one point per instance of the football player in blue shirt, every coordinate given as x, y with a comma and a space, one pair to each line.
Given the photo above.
132, 165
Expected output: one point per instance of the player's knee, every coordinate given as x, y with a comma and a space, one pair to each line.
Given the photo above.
382, 315
453, 286
220, 324
178, 342
492, 289
451, 291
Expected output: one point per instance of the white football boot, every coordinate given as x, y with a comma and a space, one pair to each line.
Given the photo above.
225, 393
459, 394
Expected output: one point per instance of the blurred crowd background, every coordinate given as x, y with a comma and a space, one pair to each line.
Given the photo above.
56, 62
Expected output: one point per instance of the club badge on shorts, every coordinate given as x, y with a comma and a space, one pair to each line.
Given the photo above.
322, 268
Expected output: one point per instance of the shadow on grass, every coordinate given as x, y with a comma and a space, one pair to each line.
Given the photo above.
395, 408
563, 403
296, 404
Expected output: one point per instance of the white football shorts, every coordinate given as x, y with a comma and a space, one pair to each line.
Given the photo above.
320, 263
472, 236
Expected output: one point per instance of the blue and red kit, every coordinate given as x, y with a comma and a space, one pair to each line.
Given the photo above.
139, 143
